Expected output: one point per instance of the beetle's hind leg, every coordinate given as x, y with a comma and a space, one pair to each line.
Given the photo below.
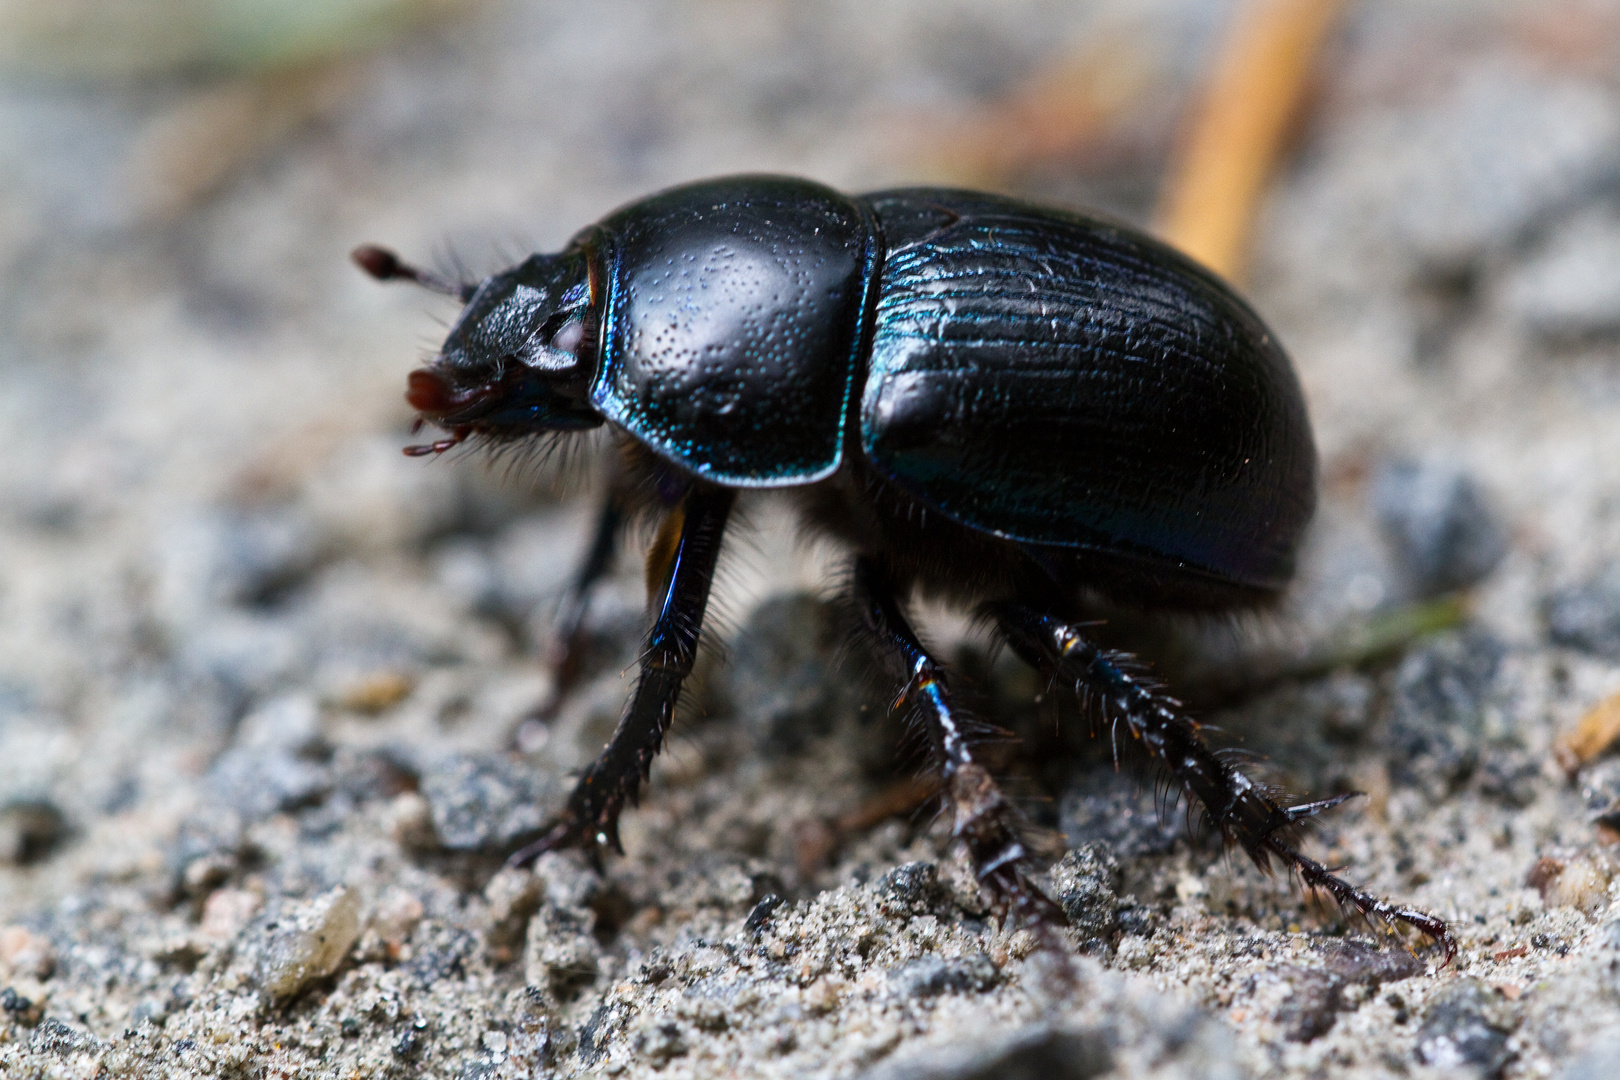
1244, 812
982, 818
680, 573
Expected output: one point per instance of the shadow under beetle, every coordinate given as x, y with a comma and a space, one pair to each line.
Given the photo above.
991, 402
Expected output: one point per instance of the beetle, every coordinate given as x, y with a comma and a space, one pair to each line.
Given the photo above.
1006, 406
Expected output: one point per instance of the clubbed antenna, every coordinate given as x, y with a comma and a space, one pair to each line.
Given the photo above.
384, 265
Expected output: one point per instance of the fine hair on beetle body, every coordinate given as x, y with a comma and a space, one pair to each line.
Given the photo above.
1011, 409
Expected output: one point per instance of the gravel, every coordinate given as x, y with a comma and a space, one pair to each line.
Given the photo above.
268, 688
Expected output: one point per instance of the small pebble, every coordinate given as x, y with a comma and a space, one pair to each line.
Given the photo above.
25, 953
761, 913
560, 951
396, 915
1465, 1025
1586, 616
513, 897
1440, 524
930, 976
223, 557
410, 822
1446, 710
1316, 996
490, 802
1086, 883
659, 1043
289, 723
376, 692
21, 1002
271, 765
52, 1036
313, 946
227, 911
1036, 1053
911, 889
1581, 883
29, 830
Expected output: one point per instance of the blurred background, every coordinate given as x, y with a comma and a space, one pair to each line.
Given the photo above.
229, 606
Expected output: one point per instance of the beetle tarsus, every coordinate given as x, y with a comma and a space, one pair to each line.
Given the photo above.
1243, 811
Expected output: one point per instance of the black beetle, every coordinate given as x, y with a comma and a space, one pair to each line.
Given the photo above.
1001, 404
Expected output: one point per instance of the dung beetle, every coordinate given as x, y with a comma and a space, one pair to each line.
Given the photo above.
1006, 406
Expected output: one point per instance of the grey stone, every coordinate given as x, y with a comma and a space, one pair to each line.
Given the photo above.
761, 913
30, 830
1569, 286
289, 723
781, 679
18, 1008
257, 783
272, 766
659, 1043
1086, 883
439, 953
911, 889
1317, 995
52, 1036
1120, 810
1036, 1053
149, 1011
560, 952
246, 652
930, 976
597, 1031
229, 557
1465, 1024
490, 802
1586, 616
1447, 710
1440, 523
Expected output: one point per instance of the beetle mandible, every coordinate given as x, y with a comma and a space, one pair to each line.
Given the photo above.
987, 401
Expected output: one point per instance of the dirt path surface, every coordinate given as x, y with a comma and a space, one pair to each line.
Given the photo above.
260, 674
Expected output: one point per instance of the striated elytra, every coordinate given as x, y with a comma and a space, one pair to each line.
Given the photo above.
1008, 406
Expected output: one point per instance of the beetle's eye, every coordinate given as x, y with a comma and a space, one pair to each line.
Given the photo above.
555, 346
568, 337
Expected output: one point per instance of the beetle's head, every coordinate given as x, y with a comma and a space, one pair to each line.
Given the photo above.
520, 358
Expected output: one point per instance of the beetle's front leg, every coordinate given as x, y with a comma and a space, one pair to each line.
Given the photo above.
983, 820
1244, 812
685, 570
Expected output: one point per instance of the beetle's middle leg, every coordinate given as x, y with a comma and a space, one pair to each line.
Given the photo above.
565, 655
983, 819
684, 573
1245, 813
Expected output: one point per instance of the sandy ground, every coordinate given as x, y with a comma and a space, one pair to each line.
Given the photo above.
260, 673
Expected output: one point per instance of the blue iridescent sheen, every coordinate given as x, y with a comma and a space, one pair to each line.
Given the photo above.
1041, 376
1063, 381
731, 336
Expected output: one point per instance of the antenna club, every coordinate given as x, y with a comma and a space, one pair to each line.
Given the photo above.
379, 262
